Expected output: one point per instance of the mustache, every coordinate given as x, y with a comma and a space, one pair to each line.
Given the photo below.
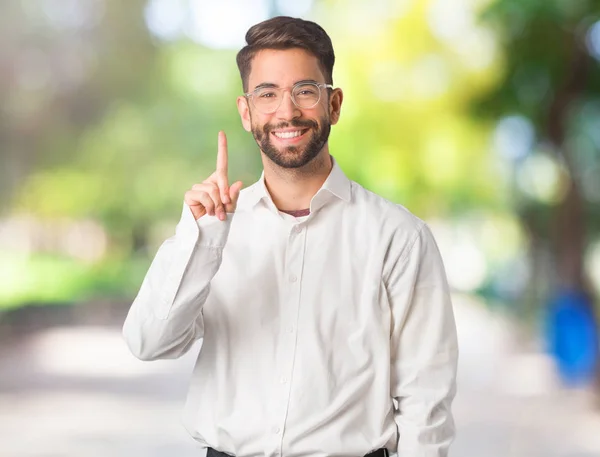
298, 123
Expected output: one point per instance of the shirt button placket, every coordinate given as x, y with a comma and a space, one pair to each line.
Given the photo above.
294, 262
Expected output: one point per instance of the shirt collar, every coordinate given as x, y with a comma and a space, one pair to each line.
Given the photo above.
336, 185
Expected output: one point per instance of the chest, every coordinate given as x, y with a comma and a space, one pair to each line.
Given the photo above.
326, 277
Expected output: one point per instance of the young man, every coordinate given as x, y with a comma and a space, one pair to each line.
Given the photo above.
324, 309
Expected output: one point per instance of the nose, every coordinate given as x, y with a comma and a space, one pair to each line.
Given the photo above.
287, 109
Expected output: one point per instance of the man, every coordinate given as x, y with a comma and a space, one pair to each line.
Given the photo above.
324, 309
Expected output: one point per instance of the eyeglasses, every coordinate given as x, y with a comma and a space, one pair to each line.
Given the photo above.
267, 100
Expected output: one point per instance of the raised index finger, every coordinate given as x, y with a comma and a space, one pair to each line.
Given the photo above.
221, 174
222, 154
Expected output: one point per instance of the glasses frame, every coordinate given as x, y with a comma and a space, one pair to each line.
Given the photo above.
252, 94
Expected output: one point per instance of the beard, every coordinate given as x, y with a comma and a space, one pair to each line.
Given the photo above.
293, 156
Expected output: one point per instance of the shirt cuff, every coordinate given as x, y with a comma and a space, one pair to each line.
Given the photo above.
208, 229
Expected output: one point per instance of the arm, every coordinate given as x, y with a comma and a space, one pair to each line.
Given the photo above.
165, 318
424, 348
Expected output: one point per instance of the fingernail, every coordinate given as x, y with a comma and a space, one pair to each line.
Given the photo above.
222, 216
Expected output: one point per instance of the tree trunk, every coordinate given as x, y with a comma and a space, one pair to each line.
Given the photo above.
569, 232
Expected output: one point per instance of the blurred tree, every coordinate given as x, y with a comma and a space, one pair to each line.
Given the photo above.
552, 80
102, 120
63, 63
125, 127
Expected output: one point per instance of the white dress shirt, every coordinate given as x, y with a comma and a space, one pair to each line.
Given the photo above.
328, 336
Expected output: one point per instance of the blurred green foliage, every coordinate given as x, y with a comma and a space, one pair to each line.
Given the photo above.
551, 78
106, 122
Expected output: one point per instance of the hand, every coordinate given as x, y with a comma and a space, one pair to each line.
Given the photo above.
214, 196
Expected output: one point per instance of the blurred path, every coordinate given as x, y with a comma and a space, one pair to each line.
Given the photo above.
77, 392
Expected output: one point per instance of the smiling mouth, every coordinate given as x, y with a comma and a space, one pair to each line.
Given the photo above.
289, 135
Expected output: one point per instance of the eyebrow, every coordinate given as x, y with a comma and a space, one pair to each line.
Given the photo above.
273, 85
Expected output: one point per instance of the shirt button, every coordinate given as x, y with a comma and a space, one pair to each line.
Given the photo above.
291, 329
283, 380
297, 229
293, 278
275, 430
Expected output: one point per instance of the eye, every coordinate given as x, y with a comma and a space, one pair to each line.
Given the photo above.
266, 94
306, 91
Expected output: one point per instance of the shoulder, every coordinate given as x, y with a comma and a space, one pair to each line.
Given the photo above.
397, 229
385, 212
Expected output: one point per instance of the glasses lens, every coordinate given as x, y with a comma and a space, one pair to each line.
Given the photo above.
306, 95
267, 99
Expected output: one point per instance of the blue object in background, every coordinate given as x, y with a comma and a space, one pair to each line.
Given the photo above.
572, 334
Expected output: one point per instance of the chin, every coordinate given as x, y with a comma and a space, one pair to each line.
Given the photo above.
293, 159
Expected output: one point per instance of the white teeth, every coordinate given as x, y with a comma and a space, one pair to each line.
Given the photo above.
288, 134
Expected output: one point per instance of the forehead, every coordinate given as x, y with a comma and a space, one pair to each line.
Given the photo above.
283, 67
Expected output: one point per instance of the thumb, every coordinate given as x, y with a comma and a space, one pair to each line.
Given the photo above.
234, 191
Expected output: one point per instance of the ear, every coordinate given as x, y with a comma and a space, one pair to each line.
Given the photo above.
335, 105
244, 110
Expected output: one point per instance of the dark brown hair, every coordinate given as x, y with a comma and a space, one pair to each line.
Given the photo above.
284, 32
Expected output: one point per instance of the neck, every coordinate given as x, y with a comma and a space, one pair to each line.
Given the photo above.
292, 189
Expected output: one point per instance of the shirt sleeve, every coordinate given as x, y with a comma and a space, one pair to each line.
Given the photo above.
165, 318
424, 348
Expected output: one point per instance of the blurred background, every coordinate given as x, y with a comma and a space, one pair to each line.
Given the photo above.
480, 116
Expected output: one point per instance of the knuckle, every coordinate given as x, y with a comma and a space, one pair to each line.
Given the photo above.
214, 193
209, 187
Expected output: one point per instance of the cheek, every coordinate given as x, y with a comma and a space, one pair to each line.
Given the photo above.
325, 112
257, 126
260, 120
